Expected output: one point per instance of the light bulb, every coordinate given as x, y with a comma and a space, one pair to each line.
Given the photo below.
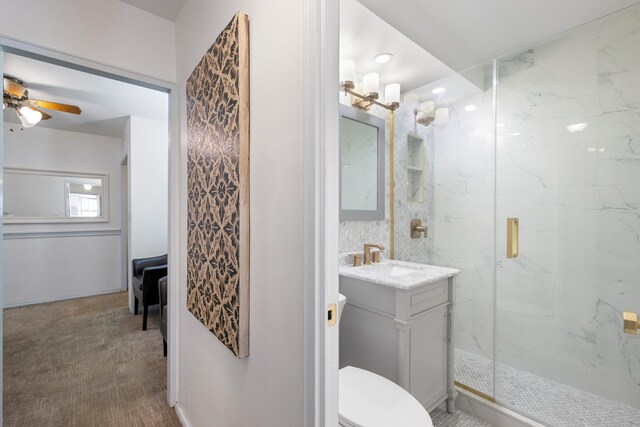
392, 93
25, 123
31, 116
371, 84
347, 70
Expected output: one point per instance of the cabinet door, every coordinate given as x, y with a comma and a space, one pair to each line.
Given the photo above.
428, 374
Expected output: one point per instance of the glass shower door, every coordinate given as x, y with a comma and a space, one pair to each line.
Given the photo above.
463, 233
568, 169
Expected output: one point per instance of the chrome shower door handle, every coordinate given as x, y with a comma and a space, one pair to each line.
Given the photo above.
512, 238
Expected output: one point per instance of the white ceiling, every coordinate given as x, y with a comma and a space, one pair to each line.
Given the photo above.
363, 35
464, 33
167, 9
105, 103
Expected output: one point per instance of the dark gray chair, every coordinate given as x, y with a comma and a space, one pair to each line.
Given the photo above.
146, 273
162, 290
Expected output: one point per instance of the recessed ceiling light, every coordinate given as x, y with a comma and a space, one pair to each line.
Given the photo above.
383, 58
471, 108
438, 90
577, 127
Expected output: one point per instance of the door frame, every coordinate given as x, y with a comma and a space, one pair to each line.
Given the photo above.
175, 158
321, 226
124, 221
1, 254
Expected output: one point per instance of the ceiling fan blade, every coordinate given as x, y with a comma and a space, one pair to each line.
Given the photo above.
13, 88
55, 106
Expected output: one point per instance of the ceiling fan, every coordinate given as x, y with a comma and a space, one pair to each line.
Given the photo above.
15, 95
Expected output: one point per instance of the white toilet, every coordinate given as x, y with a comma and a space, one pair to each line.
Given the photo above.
369, 400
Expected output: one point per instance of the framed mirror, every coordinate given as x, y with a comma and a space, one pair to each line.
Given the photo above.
362, 160
40, 196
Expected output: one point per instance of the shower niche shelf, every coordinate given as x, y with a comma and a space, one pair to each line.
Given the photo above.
415, 168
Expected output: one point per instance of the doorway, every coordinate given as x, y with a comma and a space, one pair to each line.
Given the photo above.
105, 231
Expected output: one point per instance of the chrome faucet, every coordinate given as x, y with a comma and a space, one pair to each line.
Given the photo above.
367, 253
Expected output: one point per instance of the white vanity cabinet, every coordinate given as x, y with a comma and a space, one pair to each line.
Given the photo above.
401, 331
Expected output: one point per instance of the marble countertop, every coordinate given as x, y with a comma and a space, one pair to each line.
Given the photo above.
398, 274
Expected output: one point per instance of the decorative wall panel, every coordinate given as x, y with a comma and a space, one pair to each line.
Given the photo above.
218, 188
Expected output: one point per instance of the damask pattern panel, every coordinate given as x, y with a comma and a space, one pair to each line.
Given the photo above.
218, 188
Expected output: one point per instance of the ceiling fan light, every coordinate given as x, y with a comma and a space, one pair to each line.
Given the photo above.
25, 123
29, 115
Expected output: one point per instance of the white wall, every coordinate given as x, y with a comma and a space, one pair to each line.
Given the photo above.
108, 32
44, 266
266, 388
146, 143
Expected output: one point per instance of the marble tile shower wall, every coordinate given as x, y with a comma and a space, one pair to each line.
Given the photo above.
353, 234
577, 195
408, 206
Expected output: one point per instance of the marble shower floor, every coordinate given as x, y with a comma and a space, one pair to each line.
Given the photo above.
550, 402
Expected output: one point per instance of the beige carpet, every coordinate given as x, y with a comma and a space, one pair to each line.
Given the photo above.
84, 362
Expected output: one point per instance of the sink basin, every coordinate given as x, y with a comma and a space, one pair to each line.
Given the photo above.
392, 269
398, 274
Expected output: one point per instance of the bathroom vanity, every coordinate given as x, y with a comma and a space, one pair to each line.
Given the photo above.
398, 323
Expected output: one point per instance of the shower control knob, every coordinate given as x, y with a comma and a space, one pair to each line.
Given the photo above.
417, 230
630, 323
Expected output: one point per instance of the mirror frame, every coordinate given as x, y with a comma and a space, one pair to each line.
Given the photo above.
59, 219
358, 115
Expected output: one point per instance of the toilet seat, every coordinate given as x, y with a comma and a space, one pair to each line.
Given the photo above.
369, 400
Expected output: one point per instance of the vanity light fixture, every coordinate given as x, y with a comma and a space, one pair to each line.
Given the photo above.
438, 90
383, 58
370, 88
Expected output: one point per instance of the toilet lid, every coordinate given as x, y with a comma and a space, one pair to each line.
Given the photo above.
369, 400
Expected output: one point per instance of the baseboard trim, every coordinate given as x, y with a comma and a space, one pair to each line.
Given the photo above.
91, 294
491, 412
181, 416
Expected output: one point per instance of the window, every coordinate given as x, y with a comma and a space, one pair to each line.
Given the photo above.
84, 205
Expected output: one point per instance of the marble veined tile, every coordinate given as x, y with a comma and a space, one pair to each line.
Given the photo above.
618, 160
